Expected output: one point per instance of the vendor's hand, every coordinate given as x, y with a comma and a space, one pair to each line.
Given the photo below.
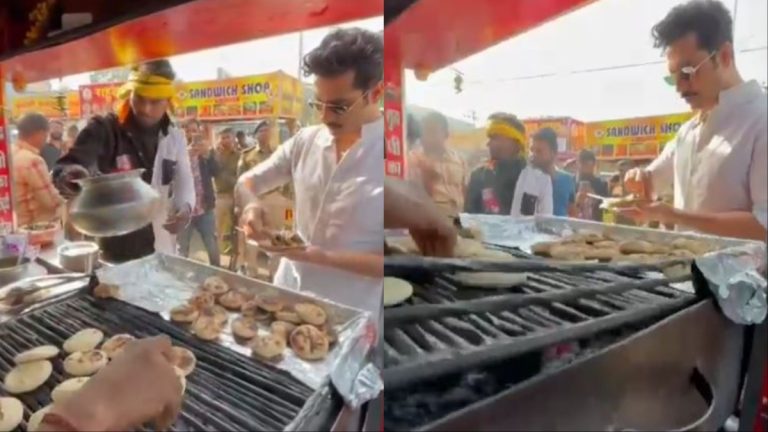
138, 386
178, 220
438, 239
653, 211
637, 181
254, 223
66, 181
311, 254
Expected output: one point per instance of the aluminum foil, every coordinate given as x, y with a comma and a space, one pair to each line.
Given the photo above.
734, 276
161, 282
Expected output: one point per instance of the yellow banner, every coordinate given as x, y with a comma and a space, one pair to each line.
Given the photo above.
635, 130
46, 104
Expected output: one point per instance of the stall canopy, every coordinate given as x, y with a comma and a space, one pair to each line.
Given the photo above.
190, 27
431, 34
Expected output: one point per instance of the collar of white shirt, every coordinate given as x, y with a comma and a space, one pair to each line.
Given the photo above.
370, 131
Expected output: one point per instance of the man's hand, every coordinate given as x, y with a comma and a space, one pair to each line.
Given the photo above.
429, 174
311, 254
654, 211
66, 181
178, 220
637, 182
437, 241
254, 223
138, 386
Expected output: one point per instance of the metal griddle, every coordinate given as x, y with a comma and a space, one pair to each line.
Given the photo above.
226, 391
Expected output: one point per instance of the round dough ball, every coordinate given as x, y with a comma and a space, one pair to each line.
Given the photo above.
67, 388
267, 347
11, 413
207, 328
288, 316
44, 352
251, 309
27, 377
215, 285
33, 424
83, 363
697, 247
310, 313
396, 291
245, 328
184, 360
186, 313
282, 328
116, 344
636, 247
309, 343
232, 300
542, 248
270, 304
84, 340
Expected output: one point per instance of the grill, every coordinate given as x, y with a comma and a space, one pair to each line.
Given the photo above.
227, 391
451, 348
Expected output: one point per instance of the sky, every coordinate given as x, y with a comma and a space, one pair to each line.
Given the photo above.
247, 58
603, 34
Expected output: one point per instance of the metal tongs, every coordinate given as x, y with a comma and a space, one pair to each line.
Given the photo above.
18, 295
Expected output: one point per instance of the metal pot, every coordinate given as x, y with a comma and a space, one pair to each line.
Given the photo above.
11, 270
114, 204
80, 257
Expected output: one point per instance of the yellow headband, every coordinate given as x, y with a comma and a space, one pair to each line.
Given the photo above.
148, 86
496, 127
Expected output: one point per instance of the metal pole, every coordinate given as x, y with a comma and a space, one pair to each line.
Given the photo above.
301, 55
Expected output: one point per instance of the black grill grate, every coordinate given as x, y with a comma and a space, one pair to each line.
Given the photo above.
227, 391
424, 357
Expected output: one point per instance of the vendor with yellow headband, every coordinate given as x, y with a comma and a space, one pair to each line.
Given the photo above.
140, 135
491, 186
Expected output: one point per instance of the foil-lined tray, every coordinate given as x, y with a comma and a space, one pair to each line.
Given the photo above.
161, 282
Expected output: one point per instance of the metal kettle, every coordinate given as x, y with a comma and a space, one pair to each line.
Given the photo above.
114, 204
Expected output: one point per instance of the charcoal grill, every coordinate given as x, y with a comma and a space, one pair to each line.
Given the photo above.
227, 391
457, 358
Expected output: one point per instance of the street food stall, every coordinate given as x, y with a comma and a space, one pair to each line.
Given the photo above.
533, 325
234, 385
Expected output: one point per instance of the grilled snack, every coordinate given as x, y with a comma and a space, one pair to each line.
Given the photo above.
207, 328
267, 347
84, 363
282, 329
183, 359
251, 309
396, 291
11, 413
104, 291
185, 313
309, 343
116, 344
543, 248
44, 352
182, 378
27, 376
215, 285
697, 247
636, 247
84, 340
270, 304
232, 300
567, 252
602, 254
67, 388
245, 328
310, 313
202, 300
33, 424
288, 316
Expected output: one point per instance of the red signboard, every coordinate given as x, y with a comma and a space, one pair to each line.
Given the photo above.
394, 153
98, 99
6, 202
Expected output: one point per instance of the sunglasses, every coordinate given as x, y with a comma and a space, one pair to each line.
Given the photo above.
335, 108
686, 72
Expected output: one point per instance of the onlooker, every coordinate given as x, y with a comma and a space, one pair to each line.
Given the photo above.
590, 183
250, 157
72, 132
36, 200
492, 186
544, 152
227, 158
441, 171
617, 181
571, 167
52, 150
204, 168
242, 140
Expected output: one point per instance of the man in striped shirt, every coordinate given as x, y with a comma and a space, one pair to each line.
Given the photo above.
36, 200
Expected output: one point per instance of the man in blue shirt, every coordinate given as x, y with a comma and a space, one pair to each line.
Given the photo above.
544, 155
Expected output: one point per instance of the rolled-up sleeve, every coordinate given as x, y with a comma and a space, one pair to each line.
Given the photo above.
273, 173
758, 177
662, 169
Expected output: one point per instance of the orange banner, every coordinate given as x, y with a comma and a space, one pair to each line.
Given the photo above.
47, 104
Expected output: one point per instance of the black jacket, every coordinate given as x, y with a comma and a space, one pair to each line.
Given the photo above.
502, 179
97, 149
209, 169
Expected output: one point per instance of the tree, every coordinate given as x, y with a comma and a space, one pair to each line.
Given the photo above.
109, 76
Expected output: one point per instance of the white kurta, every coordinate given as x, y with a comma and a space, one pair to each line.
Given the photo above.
720, 164
534, 183
181, 190
339, 207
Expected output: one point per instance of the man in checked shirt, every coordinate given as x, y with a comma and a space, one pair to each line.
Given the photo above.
36, 200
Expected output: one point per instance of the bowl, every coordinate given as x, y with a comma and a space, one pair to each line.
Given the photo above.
79, 257
11, 271
41, 234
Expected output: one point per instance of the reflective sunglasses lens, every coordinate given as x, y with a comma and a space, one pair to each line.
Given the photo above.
670, 79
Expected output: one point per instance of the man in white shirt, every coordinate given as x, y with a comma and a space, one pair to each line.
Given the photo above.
718, 161
533, 193
337, 171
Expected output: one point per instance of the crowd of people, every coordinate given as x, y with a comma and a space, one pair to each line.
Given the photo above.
711, 178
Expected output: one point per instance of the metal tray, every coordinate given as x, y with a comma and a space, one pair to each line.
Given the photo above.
160, 282
524, 232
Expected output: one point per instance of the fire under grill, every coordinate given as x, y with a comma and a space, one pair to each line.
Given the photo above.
226, 391
452, 345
